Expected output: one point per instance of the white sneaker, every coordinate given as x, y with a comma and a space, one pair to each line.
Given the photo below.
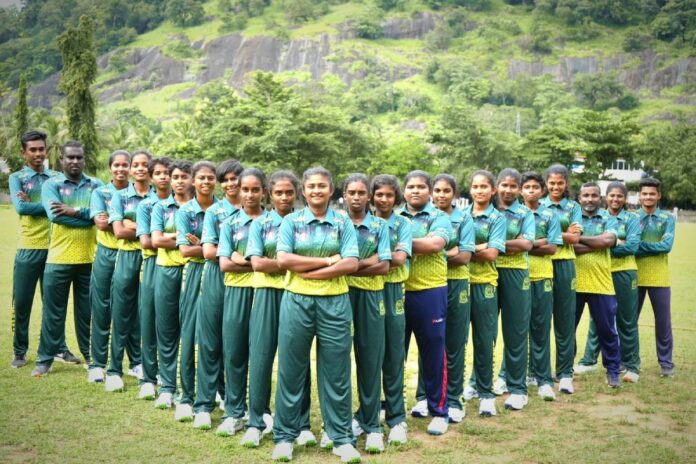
347, 453
183, 413
397, 434
532, 381
546, 393
487, 407
113, 383
374, 443
438, 426
147, 392
565, 385
499, 386
268, 422
469, 393
306, 438
631, 377
584, 368
159, 380
456, 415
357, 430
282, 452
420, 409
326, 442
229, 427
251, 438
516, 402
218, 398
222, 405
95, 375
164, 401
136, 371
201, 421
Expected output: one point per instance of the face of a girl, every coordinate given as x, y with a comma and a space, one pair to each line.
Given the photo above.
204, 181
317, 190
384, 199
251, 192
532, 191
443, 195
283, 196
481, 190
556, 185
508, 189
356, 196
119, 168
417, 192
230, 185
160, 177
181, 182
616, 199
139, 168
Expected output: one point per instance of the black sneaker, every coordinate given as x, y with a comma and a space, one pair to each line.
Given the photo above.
666, 371
613, 380
67, 357
40, 370
20, 360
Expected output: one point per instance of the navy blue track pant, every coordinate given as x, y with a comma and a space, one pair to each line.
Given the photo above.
603, 312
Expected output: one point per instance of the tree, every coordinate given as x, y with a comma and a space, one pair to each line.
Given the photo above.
185, 13
677, 19
598, 91
21, 116
76, 46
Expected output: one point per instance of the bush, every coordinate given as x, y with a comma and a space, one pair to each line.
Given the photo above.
185, 13
634, 41
368, 26
233, 22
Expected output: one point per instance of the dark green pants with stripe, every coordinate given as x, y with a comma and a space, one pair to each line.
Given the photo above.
515, 301
188, 307
626, 288
235, 347
484, 323
564, 315
368, 345
100, 304
329, 318
125, 323
57, 280
148, 331
394, 353
209, 370
167, 290
540, 331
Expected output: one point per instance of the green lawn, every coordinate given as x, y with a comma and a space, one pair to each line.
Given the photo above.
60, 418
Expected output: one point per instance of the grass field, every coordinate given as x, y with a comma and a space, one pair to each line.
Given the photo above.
60, 418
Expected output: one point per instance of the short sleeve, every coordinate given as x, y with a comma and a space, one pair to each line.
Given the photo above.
97, 204
181, 219
349, 241
466, 234
576, 214
553, 235
441, 227
225, 245
157, 219
142, 218
210, 230
255, 240
404, 237
528, 227
115, 209
611, 225
383, 243
497, 234
286, 236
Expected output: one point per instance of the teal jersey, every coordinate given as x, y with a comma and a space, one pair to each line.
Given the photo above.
594, 268
189, 220
124, 205
263, 241
214, 217
234, 236
519, 222
164, 220
568, 212
489, 227
143, 218
373, 238
462, 237
656, 240
400, 239
546, 226
628, 229
101, 203
33, 222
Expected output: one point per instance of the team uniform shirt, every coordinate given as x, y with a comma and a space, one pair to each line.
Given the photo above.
594, 268
189, 220
628, 229
143, 217
72, 240
463, 237
263, 241
428, 271
234, 236
213, 219
101, 203
400, 239
519, 220
568, 212
546, 226
164, 220
301, 233
124, 205
33, 222
373, 237
656, 240
489, 227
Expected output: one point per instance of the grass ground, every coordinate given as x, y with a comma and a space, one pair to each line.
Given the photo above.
60, 418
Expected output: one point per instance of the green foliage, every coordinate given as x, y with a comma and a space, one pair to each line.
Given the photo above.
402, 156
634, 41
21, 116
179, 49
249, 7
677, 19
541, 38
601, 91
233, 22
368, 25
184, 13
573, 12
387, 5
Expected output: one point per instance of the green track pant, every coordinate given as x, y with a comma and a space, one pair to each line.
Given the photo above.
484, 322
235, 348
515, 301
167, 289
329, 318
146, 308
209, 370
626, 288
540, 331
125, 322
100, 304
368, 345
57, 280
188, 306
564, 315
394, 353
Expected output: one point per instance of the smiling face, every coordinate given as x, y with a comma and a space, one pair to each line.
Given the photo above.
35, 154
283, 196
557, 185
204, 181
649, 197
356, 196
590, 198
616, 200
481, 190
532, 191
139, 168
120, 167
181, 182
384, 199
417, 193
252, 192
508, 189
230, 186
317, 189
443, 195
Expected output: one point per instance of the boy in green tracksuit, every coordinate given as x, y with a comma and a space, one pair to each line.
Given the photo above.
30, 260
66, 198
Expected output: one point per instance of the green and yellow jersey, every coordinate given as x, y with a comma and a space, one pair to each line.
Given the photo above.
519, 223
568, 212
628, 229
262, 241
213, 219
656, 240
428, 271
72, 240
400, 239
143, 217
373, 237
33, 222
489, 227
101, 203
545, 226
164, 220
234, 236
594, 268
463, 237
189, 220
301, 233
124, 205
